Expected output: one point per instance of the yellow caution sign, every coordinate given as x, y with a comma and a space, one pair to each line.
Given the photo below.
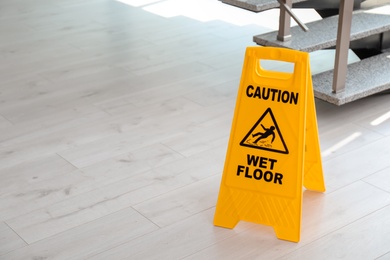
273, 148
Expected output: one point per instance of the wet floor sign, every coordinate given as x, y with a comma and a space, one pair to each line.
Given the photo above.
273, 149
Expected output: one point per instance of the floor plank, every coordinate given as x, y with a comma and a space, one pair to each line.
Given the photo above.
173, 242
9, 240
345, 169
29, 173
380, 179
89, 239
371, 230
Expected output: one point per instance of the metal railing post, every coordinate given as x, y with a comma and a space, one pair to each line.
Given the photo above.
286, 13
284, 33
342, 46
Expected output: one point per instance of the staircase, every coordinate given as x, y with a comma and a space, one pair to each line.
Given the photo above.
366, 27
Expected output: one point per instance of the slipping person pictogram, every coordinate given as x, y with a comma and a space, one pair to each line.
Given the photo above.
268, 132
265, 135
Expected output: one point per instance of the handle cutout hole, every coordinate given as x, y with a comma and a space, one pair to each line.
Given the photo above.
277, 66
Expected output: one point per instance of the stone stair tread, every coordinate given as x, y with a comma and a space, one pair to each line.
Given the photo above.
364, 78
322, 34
256, 5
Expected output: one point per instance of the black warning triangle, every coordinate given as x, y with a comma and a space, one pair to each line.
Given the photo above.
265, 135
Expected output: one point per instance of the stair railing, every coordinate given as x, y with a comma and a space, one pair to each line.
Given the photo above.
342, 42
284, 33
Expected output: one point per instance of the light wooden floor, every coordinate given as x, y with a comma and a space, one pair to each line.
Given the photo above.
114, 123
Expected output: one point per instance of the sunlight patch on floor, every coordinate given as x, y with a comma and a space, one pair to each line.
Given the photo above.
381, 119
341, 144
138, 3
211, 10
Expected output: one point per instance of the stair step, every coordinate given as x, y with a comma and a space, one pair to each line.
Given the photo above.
322, 34
364, 78
256, 5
